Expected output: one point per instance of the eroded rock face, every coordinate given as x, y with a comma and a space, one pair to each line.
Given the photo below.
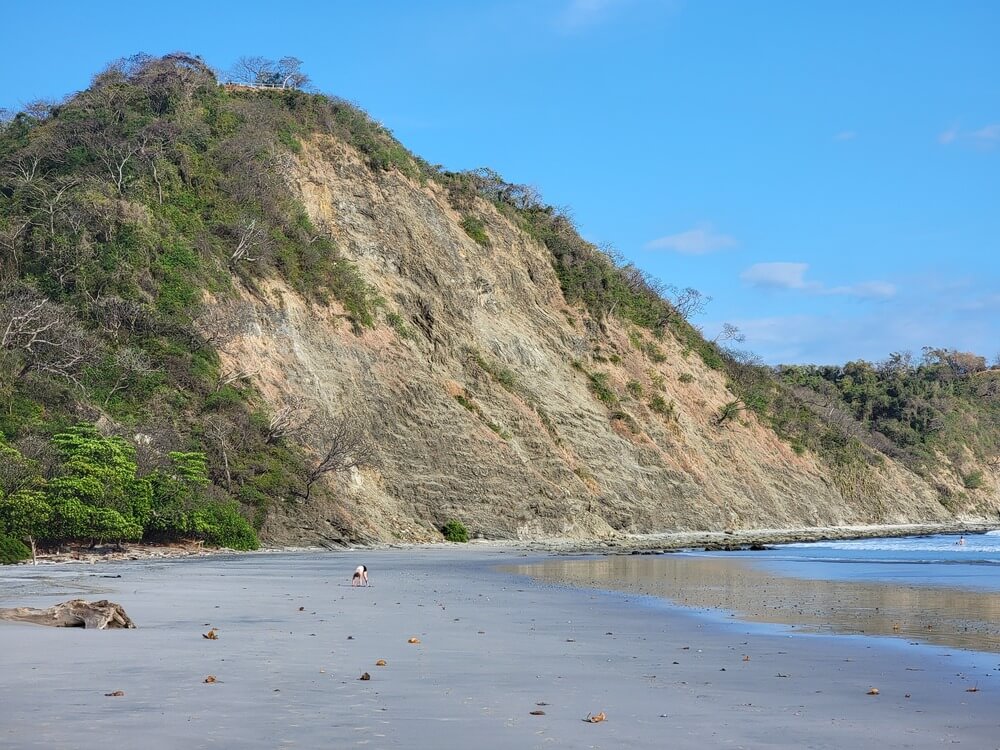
485, 412
76, 613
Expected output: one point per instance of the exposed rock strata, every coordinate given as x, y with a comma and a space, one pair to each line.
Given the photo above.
537, 458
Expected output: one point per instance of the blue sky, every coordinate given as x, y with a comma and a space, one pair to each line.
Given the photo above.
829, 172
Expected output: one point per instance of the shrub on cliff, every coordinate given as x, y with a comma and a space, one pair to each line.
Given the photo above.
455, 531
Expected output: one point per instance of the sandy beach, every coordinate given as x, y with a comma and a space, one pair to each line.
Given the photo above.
294, 637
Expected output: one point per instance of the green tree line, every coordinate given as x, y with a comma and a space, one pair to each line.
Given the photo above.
82, 485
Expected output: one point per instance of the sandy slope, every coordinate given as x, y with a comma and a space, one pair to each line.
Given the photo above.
492, 648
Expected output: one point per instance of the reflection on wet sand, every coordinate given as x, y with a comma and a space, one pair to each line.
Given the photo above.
947, 617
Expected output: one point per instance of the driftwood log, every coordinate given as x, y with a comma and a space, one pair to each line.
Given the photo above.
76, 613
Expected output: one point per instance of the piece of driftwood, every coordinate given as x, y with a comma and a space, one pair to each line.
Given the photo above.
76, 613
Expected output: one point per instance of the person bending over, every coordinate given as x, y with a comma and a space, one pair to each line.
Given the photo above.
360, 577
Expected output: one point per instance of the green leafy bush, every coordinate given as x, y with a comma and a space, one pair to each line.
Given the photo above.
26, 515
12, 551
728, 411
973, 480
599, 387
100, 472
455, 531
663, 407
476, 229
467, 403
402, 330
222, 525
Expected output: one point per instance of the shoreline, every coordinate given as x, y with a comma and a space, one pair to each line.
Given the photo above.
669, 541
731, 586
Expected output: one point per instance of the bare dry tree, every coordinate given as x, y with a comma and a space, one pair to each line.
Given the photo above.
233, 375
25, 169
344, 444
689, 302
222, 435
48, 197
11, 230
251, 69
132, 363
251, 239
221, 324
154, 142
115, 153
260, 71
124, 317
42, 335
287, 420
729, 332
289, 70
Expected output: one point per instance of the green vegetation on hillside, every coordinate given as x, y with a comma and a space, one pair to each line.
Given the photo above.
947, 404
603, 283
119, 209
944, 408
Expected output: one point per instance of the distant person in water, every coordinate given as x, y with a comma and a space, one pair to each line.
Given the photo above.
961, 541
360, 577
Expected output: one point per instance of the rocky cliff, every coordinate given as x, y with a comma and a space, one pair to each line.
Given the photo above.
485, 409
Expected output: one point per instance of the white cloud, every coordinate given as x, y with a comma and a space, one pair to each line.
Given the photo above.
845, 135
838, 338
701, 240
793, 276
986, 137
777, 275
931, 311
948, 136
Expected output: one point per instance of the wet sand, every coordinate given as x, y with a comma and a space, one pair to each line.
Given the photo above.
944, 616
493, 647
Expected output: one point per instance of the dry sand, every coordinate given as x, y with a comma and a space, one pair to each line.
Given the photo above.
493, 647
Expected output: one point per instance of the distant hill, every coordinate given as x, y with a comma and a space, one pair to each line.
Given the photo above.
234, 312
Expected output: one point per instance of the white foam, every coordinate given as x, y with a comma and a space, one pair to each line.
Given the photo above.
974, 545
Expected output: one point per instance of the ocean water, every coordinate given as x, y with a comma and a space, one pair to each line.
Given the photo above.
923, 589
922, 561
